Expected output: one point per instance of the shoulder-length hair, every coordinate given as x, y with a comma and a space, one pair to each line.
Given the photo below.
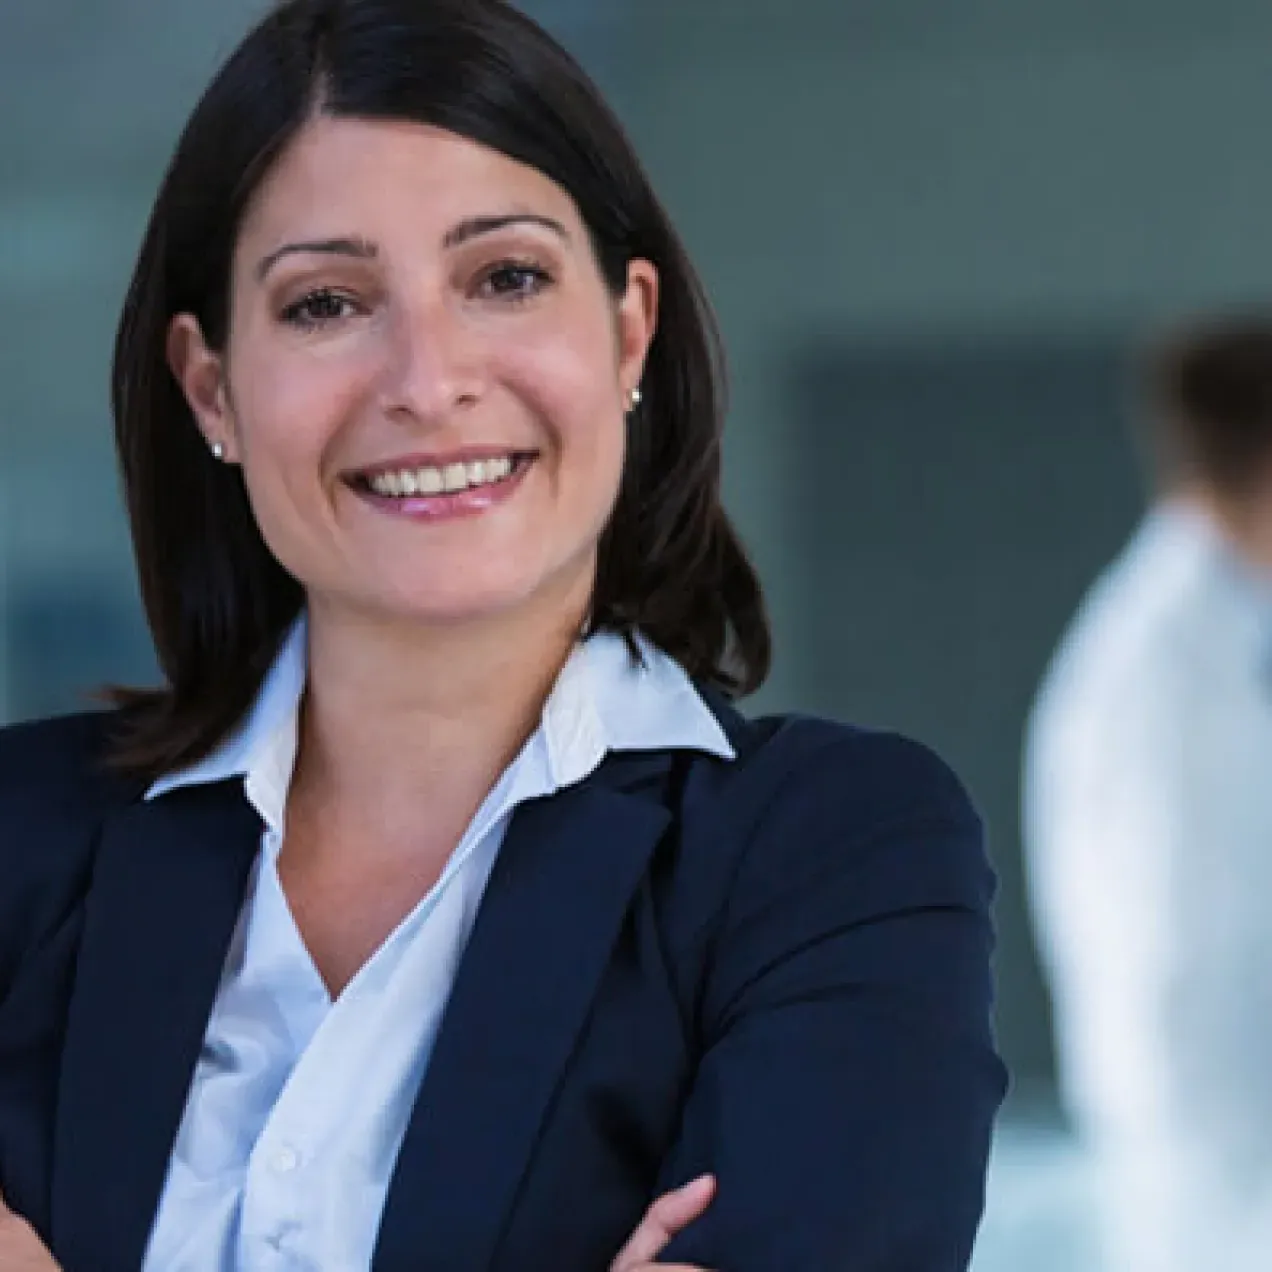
218, 603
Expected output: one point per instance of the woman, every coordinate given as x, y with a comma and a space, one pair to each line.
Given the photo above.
439, 911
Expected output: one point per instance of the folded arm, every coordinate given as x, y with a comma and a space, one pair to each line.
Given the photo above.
848, 1084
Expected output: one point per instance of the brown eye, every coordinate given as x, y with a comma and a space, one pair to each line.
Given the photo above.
317, 309
514, 280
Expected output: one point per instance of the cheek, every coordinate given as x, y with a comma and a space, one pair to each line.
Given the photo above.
291, 402
287, 412
571, 388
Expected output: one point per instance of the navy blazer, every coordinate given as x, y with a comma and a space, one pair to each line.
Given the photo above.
775, 968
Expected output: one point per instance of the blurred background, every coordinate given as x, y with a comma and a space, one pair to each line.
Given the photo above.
934, 233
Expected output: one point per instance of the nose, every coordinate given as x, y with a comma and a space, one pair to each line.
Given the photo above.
434, 366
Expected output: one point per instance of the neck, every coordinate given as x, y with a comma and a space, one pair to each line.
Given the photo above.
397, 713
1245, 520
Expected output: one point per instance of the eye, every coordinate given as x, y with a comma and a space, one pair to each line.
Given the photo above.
514, 280
317, 309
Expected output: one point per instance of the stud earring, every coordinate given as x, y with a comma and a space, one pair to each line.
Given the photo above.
218, 450
634, 399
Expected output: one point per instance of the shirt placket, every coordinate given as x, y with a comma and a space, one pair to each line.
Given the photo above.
361, 1069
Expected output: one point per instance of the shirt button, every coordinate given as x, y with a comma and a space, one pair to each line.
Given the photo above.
285, 1160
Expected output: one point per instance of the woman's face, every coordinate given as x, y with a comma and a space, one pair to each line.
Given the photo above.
426, 377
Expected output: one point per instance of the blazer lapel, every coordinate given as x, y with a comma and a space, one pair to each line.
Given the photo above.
552, 911
166, 892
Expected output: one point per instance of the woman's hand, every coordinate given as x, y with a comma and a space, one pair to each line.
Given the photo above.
670, 1214
20, 1249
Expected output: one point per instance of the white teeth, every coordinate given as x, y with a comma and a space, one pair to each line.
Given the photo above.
431, 480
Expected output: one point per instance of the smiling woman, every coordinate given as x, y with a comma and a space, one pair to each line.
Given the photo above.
440, 910
419, 331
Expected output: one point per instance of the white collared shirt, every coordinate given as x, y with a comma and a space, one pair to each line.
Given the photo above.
299, 1104
1148, 836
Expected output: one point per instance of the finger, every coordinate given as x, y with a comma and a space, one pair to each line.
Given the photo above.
668, 1267
671, 1213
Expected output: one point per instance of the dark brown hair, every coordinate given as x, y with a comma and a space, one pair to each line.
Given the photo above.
218, 603
1210, 391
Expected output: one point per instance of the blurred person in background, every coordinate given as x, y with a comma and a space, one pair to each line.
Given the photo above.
1148, 830
440, 910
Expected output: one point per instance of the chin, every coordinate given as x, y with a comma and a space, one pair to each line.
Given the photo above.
486, 587
450, 605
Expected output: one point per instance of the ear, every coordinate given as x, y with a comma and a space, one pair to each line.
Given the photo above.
200, 372
637, 322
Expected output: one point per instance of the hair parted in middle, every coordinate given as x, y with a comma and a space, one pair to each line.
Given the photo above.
670, 564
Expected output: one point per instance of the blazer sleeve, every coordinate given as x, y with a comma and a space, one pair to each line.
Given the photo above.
52, 793
848, 1082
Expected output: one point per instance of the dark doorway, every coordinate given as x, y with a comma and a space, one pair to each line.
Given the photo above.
956, 499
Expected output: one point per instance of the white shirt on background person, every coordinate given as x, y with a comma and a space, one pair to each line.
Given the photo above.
1148, 841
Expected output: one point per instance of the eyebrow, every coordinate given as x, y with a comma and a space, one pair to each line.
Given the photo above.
471, 228
355, 247
478, 225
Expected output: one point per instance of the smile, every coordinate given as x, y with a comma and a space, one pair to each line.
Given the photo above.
433, 479
458, 485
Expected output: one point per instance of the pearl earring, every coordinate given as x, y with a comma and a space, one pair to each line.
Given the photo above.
218, 450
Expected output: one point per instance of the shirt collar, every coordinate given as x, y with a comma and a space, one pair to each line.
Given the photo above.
607, 700
262, 749
603, 700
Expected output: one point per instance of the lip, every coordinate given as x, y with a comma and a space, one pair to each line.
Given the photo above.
445, 506
437, 459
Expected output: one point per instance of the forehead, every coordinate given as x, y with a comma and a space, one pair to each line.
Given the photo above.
357, 176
